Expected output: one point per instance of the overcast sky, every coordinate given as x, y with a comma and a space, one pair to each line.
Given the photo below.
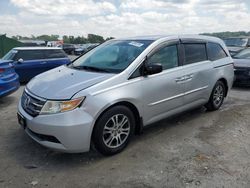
121, 18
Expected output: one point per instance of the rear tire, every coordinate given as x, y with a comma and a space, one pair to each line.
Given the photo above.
113, 130
217, 96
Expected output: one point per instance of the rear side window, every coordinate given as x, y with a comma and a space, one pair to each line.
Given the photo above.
194, 53
215, 51
166, 56
54, 54
30, 54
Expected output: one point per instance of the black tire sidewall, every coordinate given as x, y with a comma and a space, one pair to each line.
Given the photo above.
211, 105
97, 137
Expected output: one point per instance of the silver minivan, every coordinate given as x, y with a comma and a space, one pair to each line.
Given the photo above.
114, 90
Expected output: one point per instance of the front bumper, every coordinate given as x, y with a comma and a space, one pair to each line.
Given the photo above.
242, 77
68, 132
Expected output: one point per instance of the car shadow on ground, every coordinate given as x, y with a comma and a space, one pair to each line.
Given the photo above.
241, 88
30, 154
173, 121
6, 101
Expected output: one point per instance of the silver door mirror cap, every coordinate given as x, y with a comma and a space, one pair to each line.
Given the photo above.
20, 60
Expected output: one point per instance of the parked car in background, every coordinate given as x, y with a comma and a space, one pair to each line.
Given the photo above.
31, 61
68, 48
85, 47
116, 89
236, 44
242, 67
9, 80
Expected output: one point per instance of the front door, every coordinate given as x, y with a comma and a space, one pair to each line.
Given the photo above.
163, 92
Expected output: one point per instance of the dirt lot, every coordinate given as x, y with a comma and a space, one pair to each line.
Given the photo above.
195, 149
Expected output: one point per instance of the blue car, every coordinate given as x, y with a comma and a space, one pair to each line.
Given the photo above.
9, 80
31, 61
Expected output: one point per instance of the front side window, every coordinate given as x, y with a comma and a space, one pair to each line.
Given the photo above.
113, 56
194, 53
10, 55
30, 55
215, 51
166, 56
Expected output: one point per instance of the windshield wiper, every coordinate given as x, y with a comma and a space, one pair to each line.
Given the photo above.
95, 69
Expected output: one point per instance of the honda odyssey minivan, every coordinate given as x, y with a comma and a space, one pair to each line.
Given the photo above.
114, 90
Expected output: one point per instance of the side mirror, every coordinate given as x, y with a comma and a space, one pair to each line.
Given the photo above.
153, 69
20, 61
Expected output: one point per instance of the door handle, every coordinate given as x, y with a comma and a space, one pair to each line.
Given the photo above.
184, 78
189, 77
180, 79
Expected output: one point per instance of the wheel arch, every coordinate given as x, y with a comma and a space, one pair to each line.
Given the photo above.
132, 107
224, 81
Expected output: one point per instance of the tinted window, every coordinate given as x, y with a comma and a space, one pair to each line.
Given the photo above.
10, 55
54, 54
242, 42
29, 54
166, 56
137, 73
195, 53
215, 51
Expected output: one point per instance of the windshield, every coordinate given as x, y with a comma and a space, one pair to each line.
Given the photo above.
10, 55
244, 54
112, 56
241, 42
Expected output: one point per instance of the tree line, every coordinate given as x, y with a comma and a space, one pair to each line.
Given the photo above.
227, 34
91, 38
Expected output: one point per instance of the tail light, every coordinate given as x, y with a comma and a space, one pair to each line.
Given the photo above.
1, 71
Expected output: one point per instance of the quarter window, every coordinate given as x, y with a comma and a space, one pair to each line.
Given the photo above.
54, 54
166, 56
215, 51
194, 53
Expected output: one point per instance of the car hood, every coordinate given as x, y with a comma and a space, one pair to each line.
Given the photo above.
63, 82
241, 62
235, 48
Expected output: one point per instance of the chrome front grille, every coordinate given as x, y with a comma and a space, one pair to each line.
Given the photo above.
31, 104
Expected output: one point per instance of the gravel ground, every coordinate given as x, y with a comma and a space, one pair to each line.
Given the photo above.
194, 149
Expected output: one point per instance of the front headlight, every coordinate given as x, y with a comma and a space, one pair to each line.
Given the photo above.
51, 107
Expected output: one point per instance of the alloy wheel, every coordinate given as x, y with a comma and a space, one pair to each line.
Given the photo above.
116, 131
218, 95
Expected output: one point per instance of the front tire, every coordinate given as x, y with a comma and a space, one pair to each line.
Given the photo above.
113, 130
217, 96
